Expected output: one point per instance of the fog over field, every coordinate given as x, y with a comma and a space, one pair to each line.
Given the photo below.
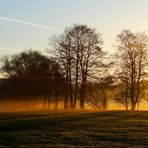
38, 105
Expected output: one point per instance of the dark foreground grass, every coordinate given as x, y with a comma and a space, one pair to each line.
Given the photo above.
74, 129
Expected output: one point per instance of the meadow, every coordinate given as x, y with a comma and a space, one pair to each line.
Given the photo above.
74, 129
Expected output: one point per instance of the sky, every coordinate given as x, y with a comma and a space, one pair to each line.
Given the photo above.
28, 24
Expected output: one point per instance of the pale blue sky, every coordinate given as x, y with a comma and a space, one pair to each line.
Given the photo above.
108, 16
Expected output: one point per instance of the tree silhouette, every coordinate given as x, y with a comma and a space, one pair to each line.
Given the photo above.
79, 51
31, 73
132, 55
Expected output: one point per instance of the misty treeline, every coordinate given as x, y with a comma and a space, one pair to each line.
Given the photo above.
77, 72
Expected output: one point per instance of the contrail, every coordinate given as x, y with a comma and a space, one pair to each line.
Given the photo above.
27, 23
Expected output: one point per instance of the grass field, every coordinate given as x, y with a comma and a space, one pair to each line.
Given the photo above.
74, 129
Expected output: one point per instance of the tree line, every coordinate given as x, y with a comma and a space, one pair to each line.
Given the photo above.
78, 72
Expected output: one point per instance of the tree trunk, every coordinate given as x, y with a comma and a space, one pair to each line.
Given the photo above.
126, 97
133, 107
82, 94
45, 101
66, 92
56, 100
76, 91
70, 90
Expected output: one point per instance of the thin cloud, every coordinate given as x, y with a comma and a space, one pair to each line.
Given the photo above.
27, 23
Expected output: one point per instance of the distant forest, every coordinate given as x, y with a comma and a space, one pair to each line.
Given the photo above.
77, 72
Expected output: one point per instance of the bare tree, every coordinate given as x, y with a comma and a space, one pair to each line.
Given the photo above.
99, 94
132, 55
90, 44
79, 51
63, 52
